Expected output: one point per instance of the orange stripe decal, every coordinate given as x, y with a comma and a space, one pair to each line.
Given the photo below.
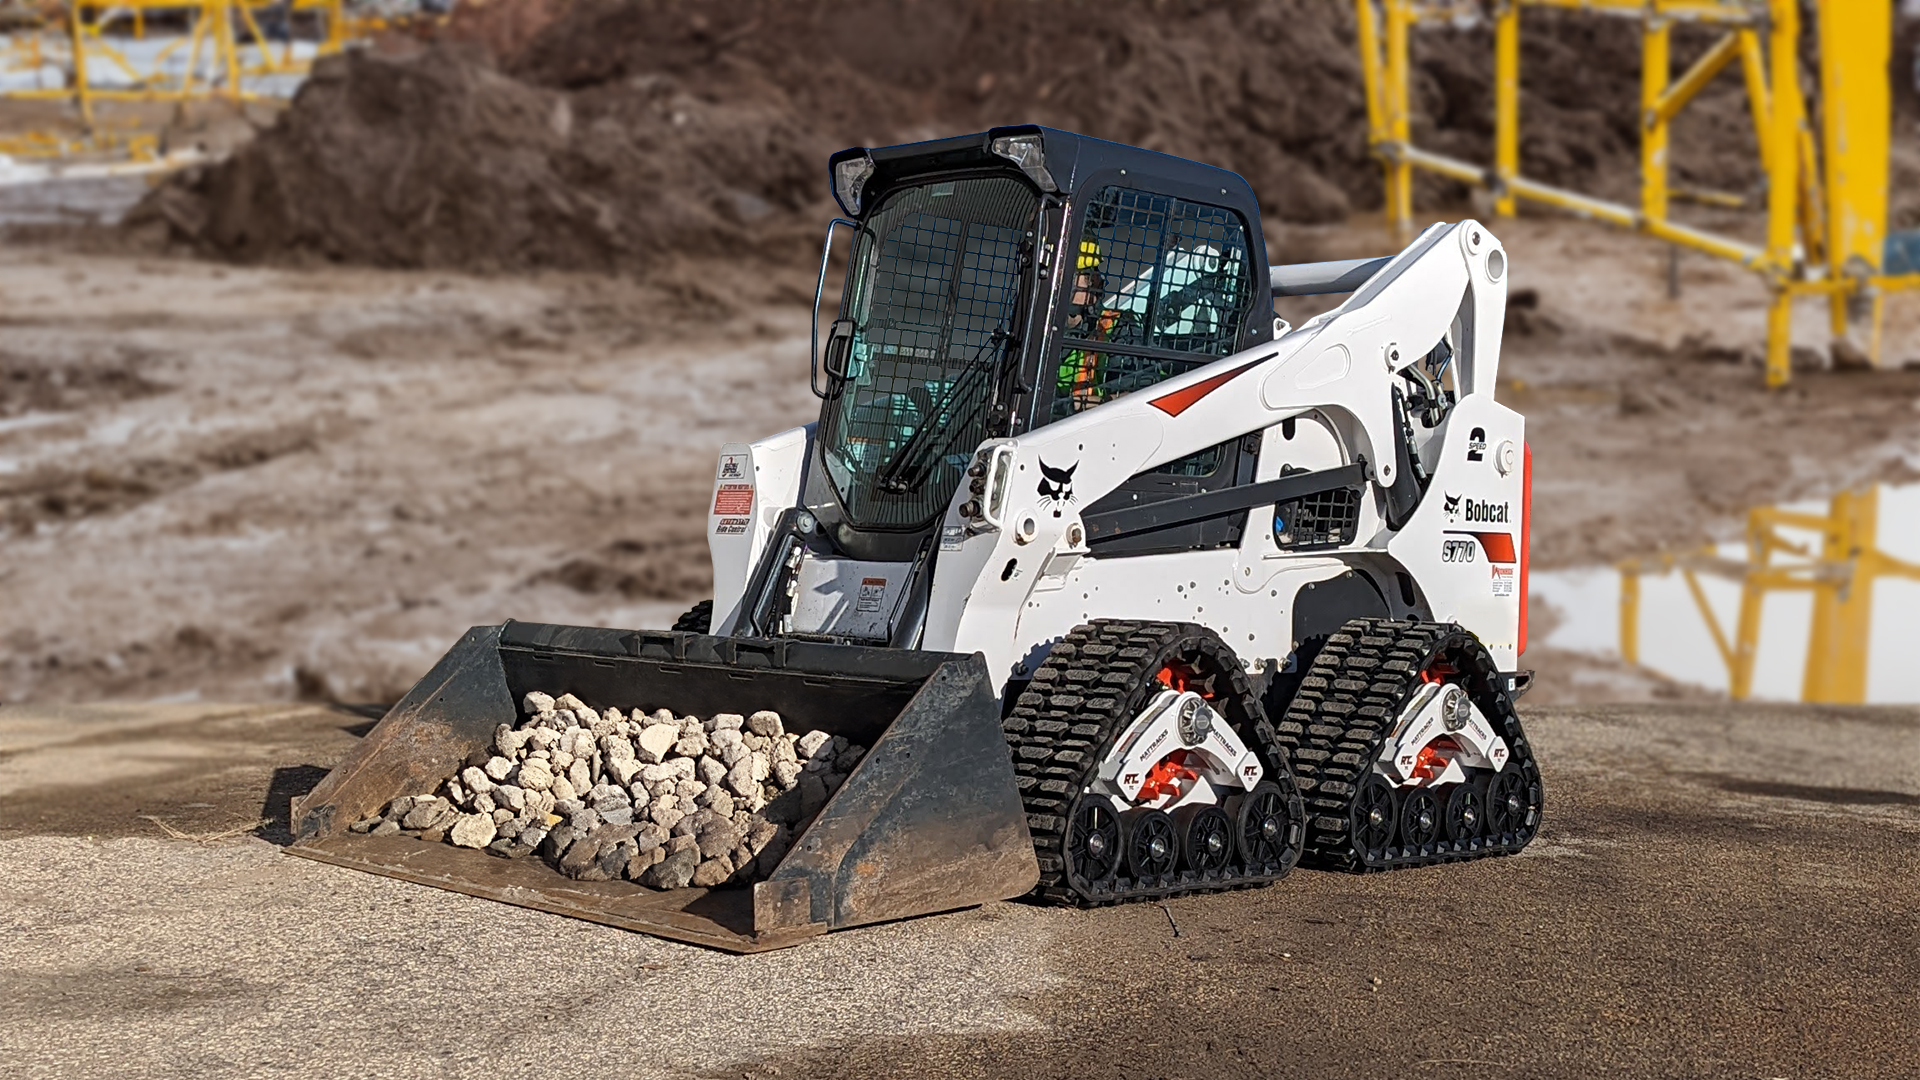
1499, 546
1183, 399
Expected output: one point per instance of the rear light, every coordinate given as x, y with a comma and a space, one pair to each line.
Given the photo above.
1526, 534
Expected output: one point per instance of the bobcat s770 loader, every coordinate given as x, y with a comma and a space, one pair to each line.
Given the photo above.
1132, 589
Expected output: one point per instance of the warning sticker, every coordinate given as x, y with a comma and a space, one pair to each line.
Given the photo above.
732, 500
873, 592
733, 526
952, 537
1504, 580
732, 467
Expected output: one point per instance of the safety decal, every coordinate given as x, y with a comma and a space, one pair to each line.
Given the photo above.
1505, 579
952, 537
873, 591
733, 500
1181, 400
733, 526
732, 467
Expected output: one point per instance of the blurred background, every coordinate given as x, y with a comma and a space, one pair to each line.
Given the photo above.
328, 330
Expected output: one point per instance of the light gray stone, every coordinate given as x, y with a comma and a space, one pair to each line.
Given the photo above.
427, 813
711, 872
533, 835
563, 790
508, 742
498, 768
786, 773
733, 755
541, 739
782, 750
718, 838
586, 819
655, 773
472, 831
619, 815
720, 801
810, 744
665, 813
568, 701
476, 780
501, 817
656, 742
684, 768
536, 703
456, 793
689, 789
691, 745
755, 742
510, 796
762, 766
673, 872
710, 771
540, 802
386, 828
740, 777
535, 776
766, 722
483, 803
721, 739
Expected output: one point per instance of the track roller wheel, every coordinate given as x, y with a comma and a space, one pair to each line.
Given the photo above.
1513, 805
1153, 845
1376, 816
1419, 818
1093, 849
1272, 824
1206, 838
1465, 812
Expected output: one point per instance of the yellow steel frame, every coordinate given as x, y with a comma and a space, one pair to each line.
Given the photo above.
1825, 230
213, 25
1840, 574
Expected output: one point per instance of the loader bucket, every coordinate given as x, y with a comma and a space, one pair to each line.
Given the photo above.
928, 821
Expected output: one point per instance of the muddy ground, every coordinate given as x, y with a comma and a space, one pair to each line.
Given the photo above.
1719, 891
268, 484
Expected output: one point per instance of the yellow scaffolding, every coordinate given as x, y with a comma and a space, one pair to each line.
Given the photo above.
1840, 574
1826, 206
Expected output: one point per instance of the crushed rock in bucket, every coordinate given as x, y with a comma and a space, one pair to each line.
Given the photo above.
649, 797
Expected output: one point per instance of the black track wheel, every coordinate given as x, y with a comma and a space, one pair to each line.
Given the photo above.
1093, 847
1271, 825
1361, 682
1513, 804
1153, 845
1419, 818
697, 620
1376, 817
1093, 683
1465, 812
1206, 838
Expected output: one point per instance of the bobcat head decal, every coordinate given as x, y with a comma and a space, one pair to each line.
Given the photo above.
1056, 485
1452, 507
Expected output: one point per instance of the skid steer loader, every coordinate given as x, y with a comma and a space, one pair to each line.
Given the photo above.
1132, 589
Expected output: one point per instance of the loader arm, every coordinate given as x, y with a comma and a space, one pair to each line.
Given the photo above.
1343, 364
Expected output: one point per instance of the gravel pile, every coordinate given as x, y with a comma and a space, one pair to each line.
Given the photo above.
648, 797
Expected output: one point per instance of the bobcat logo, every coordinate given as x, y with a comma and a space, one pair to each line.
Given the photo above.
1452, 507
1056, 485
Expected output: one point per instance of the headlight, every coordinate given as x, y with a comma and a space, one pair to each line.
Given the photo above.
849, 177
1026, 152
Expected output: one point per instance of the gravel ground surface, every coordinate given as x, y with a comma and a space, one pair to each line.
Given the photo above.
1720, 891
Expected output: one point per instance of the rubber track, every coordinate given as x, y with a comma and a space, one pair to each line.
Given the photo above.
1346, 707
1060, 726
698, 619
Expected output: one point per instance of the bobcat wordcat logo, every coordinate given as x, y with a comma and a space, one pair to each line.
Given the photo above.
1477, 510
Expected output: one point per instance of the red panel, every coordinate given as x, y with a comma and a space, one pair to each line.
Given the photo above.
1499, 545
733, 500
1181, 400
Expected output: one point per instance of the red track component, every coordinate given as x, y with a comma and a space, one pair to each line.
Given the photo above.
1168, 776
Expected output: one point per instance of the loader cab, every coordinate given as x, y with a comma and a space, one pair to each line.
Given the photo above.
1001, 281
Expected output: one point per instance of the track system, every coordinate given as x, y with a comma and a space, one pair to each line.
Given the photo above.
1066, 722
1347, 705
698, 619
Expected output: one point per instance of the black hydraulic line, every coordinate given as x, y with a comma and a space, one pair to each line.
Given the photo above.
1210, 504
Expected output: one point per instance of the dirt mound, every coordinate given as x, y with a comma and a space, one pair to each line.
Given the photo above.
626, 129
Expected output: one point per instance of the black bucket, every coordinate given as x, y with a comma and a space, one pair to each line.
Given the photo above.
929, 820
